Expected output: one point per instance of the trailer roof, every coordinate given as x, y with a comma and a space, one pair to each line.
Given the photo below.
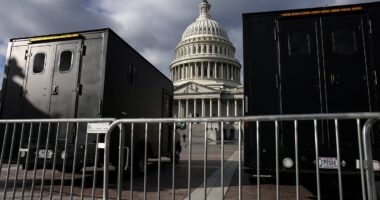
314, 11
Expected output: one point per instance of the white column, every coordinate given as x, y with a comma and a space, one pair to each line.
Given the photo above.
215, 66
195, 108
233, 72
203, 108
187, 72
187, 108
179, 108
182, 71
208, 69
228, 108
202, 75
218, 107
235, 107
195, 68
210, 107
228, 72
222, 70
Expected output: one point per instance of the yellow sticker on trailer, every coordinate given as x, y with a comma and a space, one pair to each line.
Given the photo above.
54, 37
323, 11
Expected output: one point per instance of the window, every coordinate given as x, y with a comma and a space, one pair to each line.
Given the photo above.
299, 44
210, 49
39, 63
65, 61
199, 71
344, 42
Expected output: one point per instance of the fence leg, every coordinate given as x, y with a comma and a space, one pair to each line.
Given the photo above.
370, 175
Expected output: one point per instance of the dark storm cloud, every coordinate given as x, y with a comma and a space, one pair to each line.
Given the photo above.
36, 17
152, 27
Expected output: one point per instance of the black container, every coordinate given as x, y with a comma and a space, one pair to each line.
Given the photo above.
320, 60
88, 74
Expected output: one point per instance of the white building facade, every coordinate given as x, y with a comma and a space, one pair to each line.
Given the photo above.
205, 73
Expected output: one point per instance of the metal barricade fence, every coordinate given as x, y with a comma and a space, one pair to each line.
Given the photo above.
360, 123
52, 158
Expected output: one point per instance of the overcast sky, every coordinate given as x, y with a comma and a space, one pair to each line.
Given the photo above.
152, 27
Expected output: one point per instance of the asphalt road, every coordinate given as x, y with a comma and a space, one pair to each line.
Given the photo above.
196, 191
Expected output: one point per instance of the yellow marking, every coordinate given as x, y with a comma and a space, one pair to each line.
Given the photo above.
55, 37
345, 9
324, 11
357, 8
296, 14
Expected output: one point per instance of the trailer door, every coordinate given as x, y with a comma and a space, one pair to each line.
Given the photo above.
299, 67
65, 88
37, 84
374, 36
345, 66
345, 73
300, 77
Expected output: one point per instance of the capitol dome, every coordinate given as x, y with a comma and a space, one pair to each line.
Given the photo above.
205, 54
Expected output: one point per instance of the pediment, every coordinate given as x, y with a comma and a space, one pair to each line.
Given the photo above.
193, 88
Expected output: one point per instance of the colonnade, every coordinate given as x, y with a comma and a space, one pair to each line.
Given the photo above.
213, 70
211, 107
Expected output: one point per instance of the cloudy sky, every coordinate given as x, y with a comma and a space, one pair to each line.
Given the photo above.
152, 27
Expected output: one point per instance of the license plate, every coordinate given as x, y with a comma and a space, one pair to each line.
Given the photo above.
328, 163
43, 153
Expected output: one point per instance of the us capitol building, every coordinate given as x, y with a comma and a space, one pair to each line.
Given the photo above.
206, 75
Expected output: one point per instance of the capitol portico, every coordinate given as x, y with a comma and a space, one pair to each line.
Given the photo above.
205, 73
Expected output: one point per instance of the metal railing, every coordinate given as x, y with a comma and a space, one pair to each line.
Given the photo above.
338, 129
50, 158
63, 158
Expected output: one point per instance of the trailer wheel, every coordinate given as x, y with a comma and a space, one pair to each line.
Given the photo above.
138, 163
177, 157
177, 154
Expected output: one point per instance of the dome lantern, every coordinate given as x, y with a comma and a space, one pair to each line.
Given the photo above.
204, 10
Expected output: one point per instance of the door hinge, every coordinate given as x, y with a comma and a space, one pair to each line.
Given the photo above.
79, 89
82, 50
370, 26
277, 81
375, 76
27, 54
276, 34
276, 31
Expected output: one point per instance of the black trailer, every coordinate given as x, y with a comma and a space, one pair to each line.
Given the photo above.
320, 60
88, 74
